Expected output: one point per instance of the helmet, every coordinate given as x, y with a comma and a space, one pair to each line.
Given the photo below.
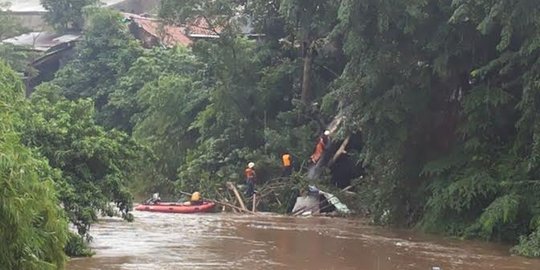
327, 132
251, 165
195, 196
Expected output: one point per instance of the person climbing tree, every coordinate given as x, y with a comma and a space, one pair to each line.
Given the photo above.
287, 164
320, 147
251, 177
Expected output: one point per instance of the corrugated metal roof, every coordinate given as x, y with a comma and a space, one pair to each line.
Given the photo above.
41, 41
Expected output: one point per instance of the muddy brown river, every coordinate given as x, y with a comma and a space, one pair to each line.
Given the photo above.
229, 241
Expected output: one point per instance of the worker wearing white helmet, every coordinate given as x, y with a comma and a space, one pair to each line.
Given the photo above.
251, 177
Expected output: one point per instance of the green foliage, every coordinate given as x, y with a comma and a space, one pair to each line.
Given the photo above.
17, 58
106, 52
126, 104
445, 95
14, 56
96, 164
9, 25
76, 246
529, 245
66, 14
33, 229
217, 14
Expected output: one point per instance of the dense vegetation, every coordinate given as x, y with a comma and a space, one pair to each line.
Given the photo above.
57, 165
33, 228
444, 96
66, 14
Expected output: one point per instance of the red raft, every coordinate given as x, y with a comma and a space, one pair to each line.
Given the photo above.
171, 207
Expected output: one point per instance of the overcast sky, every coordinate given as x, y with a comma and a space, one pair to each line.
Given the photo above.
34, 5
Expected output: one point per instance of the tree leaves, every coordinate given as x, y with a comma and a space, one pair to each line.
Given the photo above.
33, 229
66, 14
473, 127
95, 163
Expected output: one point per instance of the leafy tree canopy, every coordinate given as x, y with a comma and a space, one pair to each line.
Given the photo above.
33, 228
66, 14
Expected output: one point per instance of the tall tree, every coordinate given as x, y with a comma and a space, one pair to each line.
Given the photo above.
96, 164
106, 52
444, 96
66, 14
310, 22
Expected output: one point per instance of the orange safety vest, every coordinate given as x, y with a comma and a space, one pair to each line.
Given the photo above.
319, 149
250, 173
286, 160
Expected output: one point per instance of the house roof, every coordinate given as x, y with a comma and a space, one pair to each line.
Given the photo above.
42, 41
169, 35
201, 28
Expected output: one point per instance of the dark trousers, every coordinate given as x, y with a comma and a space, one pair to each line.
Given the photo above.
286, 172
250, 187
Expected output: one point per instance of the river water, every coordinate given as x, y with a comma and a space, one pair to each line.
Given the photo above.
232, 241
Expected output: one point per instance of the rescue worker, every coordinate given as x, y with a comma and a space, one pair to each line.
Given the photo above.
319, 148
154, 200
287, 164
196, 198
251, 177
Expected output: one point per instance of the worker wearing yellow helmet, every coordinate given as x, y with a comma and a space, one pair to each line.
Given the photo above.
196, 198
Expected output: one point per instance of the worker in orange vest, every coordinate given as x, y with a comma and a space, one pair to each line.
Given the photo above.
287, 164
319, 148
251, 177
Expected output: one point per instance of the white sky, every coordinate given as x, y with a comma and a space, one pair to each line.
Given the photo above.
34, 5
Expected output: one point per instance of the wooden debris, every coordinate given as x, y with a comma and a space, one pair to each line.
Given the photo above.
233, 207
340, 151
231, 186
254, 206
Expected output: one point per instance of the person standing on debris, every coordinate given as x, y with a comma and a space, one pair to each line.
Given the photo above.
287, 164
319, 148
251, 177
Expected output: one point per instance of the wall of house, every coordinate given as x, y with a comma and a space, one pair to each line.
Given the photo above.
32, 20
137, 6
147, 40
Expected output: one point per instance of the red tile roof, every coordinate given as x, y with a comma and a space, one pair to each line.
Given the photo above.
167, 34
201, 28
